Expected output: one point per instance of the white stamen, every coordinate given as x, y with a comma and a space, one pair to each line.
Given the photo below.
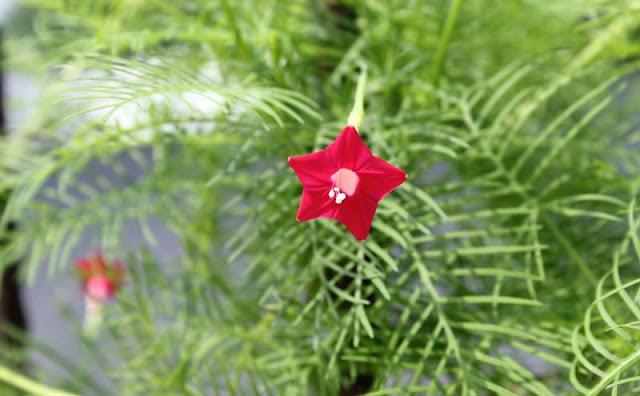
339, 196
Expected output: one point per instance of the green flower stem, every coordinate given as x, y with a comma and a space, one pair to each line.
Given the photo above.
28, 385
357, 113
441, 51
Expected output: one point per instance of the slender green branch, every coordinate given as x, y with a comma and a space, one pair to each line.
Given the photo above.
28, 385
520, 189
441, 51
242, 47
575, 256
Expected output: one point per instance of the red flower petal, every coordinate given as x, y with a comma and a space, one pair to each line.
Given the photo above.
378, 178
348, 150
357, 215
83, 266
315, 204
100, 288
314, 170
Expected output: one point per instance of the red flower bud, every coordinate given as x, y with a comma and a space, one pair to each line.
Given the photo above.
100, 279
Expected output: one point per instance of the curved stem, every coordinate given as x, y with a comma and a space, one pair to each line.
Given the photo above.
628, 362
28, 385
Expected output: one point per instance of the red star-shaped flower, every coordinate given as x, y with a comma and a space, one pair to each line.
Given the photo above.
345, 182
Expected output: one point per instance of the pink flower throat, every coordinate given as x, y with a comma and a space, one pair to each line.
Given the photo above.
345, 181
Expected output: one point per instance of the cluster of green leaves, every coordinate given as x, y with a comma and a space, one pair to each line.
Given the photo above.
506, 264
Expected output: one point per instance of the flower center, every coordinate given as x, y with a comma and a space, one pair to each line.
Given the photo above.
345, 182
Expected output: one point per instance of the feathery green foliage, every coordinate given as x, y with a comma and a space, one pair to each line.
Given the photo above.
506, 264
